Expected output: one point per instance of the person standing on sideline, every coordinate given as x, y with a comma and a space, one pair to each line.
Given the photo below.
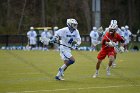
127, 34
68, 37
94, 38
31, 34
45, 36
108, 48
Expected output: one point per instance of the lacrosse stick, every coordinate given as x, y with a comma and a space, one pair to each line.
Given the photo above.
55, 41
64, 45
100, 29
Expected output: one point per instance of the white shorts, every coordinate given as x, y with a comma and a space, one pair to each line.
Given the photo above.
95, 42
45, 41
65, 54
32, 41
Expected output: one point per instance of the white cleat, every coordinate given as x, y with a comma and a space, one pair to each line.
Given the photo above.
108, 73
95, 75
62, 72
59, 78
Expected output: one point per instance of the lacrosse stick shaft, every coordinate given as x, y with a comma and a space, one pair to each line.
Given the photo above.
63, 45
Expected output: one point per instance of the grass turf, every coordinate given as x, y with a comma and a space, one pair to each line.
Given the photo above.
34, 72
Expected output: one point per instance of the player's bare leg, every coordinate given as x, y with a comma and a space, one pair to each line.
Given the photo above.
97, 68
67, 63
114, 62
111, 59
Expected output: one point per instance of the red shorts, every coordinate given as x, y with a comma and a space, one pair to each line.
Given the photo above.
103, 53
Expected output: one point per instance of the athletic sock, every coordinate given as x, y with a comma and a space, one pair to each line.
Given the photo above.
108, 68
63, 67
58, 74
96, 72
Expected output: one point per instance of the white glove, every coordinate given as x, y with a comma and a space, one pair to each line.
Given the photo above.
75, 46
111, 44
121, 49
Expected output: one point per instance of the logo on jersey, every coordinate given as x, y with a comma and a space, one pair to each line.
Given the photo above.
70, 35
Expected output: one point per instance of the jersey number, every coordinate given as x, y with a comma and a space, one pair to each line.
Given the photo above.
70, 41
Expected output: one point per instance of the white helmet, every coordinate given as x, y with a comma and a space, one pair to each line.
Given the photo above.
126, 26
72, 23
55, 28
31, 28
113, 22
122, 28
113, 26
94, 28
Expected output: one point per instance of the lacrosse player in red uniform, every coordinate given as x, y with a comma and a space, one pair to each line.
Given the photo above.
109, 48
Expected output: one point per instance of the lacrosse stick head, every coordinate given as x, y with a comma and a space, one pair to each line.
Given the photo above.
100, 29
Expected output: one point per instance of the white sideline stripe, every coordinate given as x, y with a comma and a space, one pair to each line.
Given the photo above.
75, 89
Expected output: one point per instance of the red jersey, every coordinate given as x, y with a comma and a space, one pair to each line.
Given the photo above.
116, 37
107, 50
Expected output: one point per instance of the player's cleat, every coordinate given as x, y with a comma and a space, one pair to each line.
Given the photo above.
108, 73
95, 75
61, 72
58, 78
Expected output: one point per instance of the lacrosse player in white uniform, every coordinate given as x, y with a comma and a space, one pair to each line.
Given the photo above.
94, 38
127, 35
121, 31
45, 37
67, 36
32, 38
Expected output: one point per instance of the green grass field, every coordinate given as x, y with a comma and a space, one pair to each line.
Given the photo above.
34, 72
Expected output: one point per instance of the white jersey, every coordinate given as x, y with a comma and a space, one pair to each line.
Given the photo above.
127, 34
32, 37
94, 37
120, 32
46, 34
68, 37
31, 34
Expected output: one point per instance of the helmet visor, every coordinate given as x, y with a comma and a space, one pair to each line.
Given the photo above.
74, 26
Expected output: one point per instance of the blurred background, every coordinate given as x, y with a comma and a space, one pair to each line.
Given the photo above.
17, 16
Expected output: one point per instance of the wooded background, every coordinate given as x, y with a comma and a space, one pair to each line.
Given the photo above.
16, 16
